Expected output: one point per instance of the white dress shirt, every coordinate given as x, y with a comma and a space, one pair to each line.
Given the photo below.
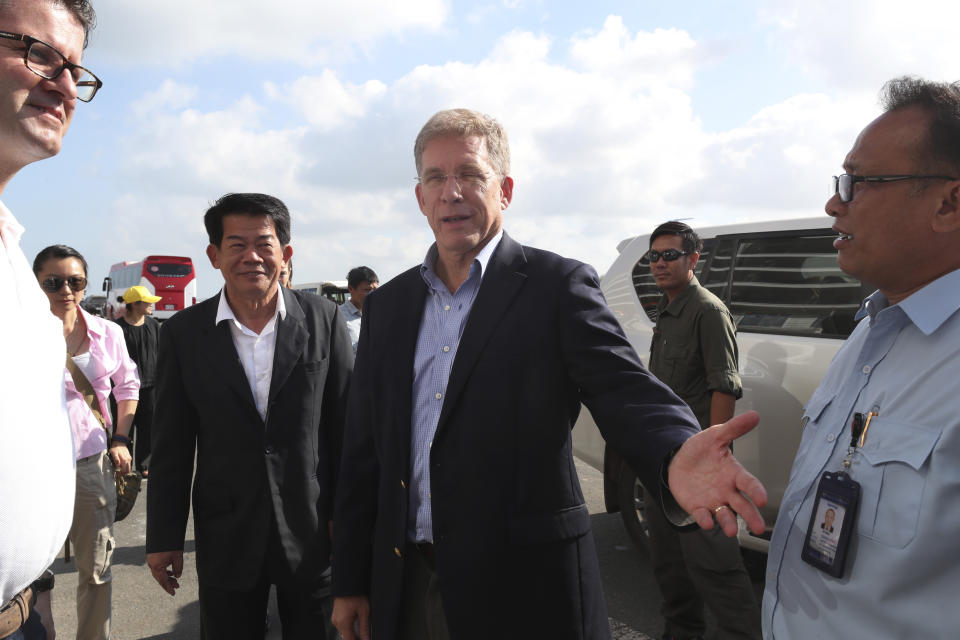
255, 350
36, 493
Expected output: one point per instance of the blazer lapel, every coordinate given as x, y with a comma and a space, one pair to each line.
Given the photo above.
218, 348
406, 319
292, 335
501, 283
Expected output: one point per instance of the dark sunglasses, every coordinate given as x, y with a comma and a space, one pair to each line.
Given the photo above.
669, 255
55, 283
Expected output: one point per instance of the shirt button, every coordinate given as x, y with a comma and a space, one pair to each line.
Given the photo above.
439, 395
830, 437
446, 349
446, 307
866, 369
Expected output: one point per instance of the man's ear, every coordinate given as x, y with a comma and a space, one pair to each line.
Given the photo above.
419, 191
214, 255
506, 192
947, 218
287, 252
693, 258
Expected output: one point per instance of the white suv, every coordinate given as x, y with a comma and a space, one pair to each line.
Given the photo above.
793, 308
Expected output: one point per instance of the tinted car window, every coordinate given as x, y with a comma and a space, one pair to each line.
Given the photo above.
792, 285
772, 283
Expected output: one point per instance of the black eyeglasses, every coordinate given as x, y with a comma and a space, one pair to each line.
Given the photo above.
669, 255
55, 283
843, 184
45, 61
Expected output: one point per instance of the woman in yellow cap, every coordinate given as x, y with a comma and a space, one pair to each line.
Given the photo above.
142, 335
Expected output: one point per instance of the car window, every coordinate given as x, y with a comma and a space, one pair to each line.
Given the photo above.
786, 283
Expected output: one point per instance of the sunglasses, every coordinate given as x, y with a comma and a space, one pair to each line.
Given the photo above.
669, 255
55, 283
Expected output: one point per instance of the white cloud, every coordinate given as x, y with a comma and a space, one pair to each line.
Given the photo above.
857, 45
325, 102
302, 31
663, 56
169, 95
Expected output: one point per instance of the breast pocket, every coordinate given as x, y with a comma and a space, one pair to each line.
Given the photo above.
678, 358
892, 473
810, 424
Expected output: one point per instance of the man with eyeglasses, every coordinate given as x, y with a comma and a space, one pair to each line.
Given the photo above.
41, 43
694, 352
881, 434
459, 513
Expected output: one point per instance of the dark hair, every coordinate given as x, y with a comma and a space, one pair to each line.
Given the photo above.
361, 274
691, 241
247, 204
82, 10
941, 101
57, 252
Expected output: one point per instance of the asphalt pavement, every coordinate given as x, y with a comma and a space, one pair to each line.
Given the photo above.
141, 610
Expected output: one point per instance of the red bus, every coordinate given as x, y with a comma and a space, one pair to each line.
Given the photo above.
170, 277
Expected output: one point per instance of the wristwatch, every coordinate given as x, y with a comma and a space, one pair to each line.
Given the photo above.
44, 582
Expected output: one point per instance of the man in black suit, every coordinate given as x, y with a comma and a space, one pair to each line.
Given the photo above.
459, 512
254, 383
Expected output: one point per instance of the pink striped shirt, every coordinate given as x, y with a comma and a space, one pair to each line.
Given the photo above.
108, 354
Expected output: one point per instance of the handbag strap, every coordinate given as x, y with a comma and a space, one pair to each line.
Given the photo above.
83, 385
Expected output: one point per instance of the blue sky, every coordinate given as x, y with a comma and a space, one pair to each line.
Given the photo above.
620, 115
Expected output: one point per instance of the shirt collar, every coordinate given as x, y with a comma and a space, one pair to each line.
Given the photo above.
10, 229
92, 326
224, 312
927, 308
481, 260
675, 306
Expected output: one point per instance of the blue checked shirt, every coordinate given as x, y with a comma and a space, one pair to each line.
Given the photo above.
444, 317
902, 573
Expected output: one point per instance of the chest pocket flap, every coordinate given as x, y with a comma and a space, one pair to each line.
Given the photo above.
893, 480
891, 441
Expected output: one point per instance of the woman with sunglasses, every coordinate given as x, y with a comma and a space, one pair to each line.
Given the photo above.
96, 351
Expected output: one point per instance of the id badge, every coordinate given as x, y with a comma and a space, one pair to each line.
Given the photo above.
832, 523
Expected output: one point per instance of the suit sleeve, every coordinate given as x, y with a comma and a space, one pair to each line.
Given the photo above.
335, 393
356, 500
174, 441
639, 416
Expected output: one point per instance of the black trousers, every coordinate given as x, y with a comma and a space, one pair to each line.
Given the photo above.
423, 616
304, 608
697, 567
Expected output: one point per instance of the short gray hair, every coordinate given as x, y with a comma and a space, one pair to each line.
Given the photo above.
462, 123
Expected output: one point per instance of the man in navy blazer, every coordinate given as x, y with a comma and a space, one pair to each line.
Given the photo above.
459, 512
253, 382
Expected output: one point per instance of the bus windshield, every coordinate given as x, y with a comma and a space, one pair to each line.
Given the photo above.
169, 270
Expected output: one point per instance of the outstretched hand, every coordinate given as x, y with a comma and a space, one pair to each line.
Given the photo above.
708, 482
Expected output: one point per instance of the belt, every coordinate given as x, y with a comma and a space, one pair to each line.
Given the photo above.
16, 612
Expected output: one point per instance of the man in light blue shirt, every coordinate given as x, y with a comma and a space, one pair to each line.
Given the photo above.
361, 281
897, 211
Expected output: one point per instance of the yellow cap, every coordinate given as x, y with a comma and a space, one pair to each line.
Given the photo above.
139, 294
